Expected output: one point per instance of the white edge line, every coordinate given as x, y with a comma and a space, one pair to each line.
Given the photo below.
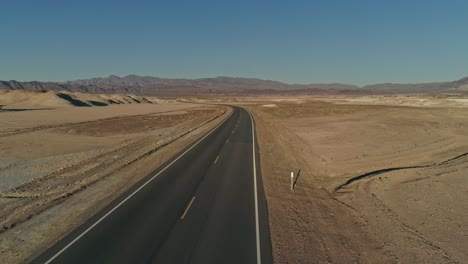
133, 193
257, 230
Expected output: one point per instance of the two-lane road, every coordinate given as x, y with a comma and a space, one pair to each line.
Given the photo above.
206, 205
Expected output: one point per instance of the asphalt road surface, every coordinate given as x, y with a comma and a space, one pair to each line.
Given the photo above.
206, 205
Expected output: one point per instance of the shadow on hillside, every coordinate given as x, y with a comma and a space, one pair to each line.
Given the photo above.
23, 109
95, 103
72, 100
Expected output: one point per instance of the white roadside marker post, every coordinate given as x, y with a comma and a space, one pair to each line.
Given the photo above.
292, 180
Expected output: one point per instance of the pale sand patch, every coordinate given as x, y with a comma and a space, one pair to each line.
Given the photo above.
269, 105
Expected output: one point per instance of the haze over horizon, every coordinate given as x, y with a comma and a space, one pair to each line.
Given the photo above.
359, 42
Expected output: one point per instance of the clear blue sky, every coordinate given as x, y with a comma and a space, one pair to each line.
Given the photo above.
358, 42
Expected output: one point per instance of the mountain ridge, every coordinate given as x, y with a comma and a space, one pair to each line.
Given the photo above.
150, 85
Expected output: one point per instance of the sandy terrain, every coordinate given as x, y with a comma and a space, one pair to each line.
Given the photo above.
415, 100
25, 99
378, 182
381, 179
59, 166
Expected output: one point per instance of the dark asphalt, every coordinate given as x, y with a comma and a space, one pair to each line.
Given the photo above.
157, 225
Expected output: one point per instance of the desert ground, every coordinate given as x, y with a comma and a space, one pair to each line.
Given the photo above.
381, 179
59, 164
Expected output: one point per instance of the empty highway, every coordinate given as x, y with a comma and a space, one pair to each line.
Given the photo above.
206, 205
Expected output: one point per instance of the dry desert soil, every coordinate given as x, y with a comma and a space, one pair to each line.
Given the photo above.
378, 179
59, 164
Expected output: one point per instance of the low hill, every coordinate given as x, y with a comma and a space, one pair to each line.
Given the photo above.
27, 99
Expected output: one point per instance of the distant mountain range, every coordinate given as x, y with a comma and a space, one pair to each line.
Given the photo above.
458, 86
148, 85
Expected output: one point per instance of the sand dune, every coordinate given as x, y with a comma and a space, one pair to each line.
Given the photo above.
23, 99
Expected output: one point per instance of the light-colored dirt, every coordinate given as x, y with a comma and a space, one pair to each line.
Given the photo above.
434, 100
382, 179
25, 121
411, 215
59, 166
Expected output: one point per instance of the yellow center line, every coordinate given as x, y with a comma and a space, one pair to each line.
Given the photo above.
188, 207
